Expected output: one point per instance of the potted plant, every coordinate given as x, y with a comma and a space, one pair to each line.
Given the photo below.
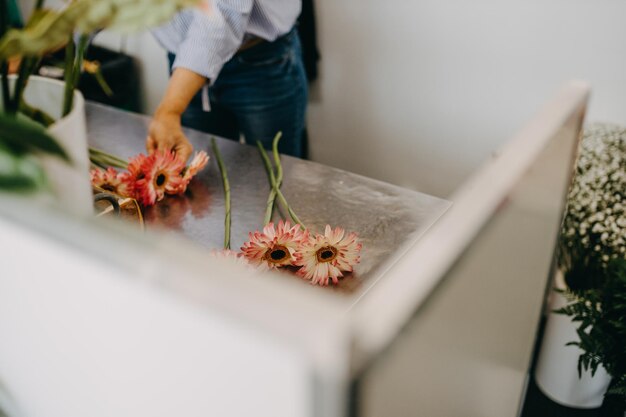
55, 104
600, 314
574, 366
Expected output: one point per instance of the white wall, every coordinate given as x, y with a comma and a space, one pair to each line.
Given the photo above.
151, 60
98, 341
418, 93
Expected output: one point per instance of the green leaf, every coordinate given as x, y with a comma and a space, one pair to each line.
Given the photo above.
99, 15
617, 391
36, 114
19, 173
46, 31
102, 82
135, 15
23, 137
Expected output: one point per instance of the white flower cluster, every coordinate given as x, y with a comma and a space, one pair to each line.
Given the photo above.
596, 209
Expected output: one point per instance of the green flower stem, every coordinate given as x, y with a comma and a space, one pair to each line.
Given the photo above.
226, 184
39, 4
27, 68
35, 114
6, 95
274, 184
70, 52
105, 162
102, 158
279, 166
83, 42
95, 163
76, 65
292, 214
4, 65
269, 208
102, 82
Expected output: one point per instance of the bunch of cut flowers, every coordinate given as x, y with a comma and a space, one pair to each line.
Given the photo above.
145, 178
320, 258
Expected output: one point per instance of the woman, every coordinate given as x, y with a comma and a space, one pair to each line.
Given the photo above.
236, 70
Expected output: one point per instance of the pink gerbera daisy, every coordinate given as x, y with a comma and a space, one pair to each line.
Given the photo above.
275, 246
137, 178
325, 257
229, 254
236, 257
112, 181
155, 175
198, 162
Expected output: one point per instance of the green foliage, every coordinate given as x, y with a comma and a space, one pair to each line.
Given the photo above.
48, 30
131, 16
20, 141
601, 317
19, 173
582, 269
24, 136
619, 387
36, 114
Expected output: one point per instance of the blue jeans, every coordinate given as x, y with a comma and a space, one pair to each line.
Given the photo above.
260, 91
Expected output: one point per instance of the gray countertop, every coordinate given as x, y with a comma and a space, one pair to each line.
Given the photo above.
387, 218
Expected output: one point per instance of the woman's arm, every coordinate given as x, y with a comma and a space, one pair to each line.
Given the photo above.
165, 131
212, 39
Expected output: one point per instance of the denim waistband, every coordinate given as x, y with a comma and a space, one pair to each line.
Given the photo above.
286, 38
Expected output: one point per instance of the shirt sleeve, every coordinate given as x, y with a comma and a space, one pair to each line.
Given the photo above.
212, 39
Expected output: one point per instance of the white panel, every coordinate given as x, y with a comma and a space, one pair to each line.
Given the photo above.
467, 349
482, 198
82, 338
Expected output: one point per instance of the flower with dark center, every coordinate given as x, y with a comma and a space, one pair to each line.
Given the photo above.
323, 258
150, 177
275, 245
111, 181
155, 175
277, 254
326, 254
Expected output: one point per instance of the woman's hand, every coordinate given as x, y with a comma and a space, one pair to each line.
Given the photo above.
165, 131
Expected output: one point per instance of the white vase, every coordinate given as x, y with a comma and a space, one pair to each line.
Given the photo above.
556, 373
69, 182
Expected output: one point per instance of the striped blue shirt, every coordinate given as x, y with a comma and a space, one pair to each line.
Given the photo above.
203, 42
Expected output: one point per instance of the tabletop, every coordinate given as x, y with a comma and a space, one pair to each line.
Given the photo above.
387, 218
